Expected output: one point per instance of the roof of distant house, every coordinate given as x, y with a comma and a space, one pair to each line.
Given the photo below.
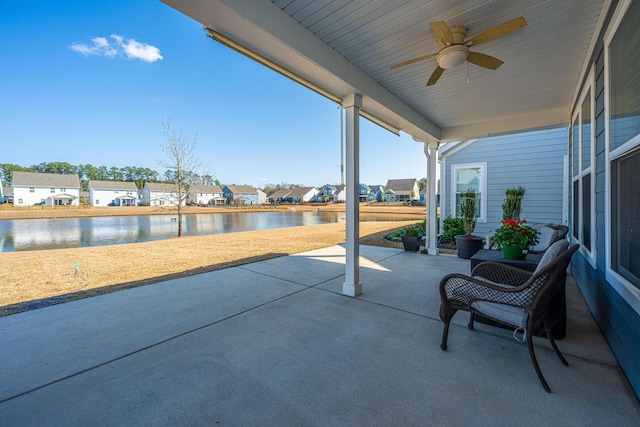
162, 186
112, 185
207, 189
299, 192
37, 179
242, 189
401, 186
280, 194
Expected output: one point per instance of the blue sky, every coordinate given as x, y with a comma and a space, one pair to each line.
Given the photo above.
93, 82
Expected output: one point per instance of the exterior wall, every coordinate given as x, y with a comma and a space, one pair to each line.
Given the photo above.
41, 195
161, 198
145, 196
158, 198
388, 196
99, 197
534, 160
249, 198
262, 197
204, 198
614, 307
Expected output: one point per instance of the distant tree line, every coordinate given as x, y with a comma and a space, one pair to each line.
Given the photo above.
89, 172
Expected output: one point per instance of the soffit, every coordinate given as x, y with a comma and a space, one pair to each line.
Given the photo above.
348, 46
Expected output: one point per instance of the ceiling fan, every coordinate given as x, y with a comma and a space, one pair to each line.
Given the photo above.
455, 49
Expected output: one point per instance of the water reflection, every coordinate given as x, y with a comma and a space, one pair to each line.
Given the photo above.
58, 233
35, 234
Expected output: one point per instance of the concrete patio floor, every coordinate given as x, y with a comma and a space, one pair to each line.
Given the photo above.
275, 343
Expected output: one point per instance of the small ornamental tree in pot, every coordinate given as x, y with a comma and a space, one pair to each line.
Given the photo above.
512, 205
468, 244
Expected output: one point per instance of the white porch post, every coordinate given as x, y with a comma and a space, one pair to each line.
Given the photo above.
431, 151
352, 286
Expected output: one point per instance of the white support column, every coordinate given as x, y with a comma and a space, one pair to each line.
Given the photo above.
352, 286
431, 151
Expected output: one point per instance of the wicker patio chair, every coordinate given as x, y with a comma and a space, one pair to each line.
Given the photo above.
508, 295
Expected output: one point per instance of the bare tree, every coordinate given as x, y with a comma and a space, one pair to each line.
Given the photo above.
181, 164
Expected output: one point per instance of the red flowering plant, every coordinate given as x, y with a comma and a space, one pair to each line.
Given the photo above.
515, 232
414, 230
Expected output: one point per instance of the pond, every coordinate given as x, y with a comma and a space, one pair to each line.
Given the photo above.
39, 234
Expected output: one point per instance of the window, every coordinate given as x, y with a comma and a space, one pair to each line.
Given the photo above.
62, 190
53, 190
625, 221
622, 43
624, 78
32, 190
20, 201
583, 209
97, 202
468, 176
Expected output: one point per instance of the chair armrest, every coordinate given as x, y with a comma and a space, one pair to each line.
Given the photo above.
501, 273
462, 290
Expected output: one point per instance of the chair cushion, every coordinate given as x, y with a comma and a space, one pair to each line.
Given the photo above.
554, 250
516, 316
546, 236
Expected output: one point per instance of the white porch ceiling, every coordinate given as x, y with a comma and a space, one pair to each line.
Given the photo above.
347, 47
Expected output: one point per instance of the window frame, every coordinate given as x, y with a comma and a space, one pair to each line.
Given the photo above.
588, 91
482, 188
626, 289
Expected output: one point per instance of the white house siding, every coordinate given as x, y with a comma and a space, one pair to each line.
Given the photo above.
160, 194
32, 188
206, 195
106, 193
533, 160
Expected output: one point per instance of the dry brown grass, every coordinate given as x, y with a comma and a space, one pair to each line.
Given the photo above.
31, 276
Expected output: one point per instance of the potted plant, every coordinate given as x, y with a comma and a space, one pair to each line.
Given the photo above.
512, 205
412, 238
514, 236
468, 244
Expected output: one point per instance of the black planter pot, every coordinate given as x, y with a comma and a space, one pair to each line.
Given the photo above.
411, 243
467, 246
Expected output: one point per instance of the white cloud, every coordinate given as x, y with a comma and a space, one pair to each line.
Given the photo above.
130, 48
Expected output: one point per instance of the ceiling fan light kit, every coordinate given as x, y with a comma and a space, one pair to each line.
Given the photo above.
452, 56
455, 49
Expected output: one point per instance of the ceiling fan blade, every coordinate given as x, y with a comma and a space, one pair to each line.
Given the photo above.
411, 61
497, 31
435, 76
484, 61
442, 32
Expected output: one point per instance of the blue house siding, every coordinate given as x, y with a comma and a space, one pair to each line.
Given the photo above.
533, 160
619, 322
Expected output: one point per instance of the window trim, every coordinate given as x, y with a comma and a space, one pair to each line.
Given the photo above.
588, 89
483, 187
627, 290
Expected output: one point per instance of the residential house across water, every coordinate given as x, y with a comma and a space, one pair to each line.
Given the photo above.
160, 194
48, 189
113, 193
206, 195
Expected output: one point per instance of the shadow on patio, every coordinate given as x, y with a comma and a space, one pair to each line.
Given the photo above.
275, 343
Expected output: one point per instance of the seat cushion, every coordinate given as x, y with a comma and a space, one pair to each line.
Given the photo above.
554, 250
546, 237
515, 316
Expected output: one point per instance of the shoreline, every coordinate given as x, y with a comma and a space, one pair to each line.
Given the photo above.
38, 212
35, 279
